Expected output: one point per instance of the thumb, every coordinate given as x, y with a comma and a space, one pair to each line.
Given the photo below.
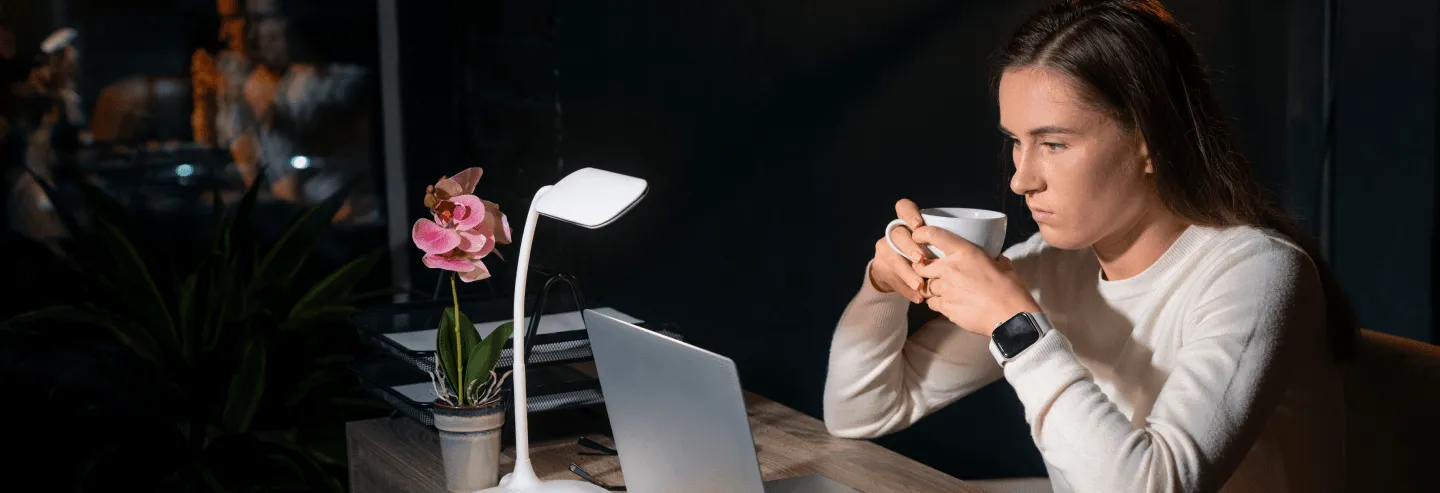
947, 242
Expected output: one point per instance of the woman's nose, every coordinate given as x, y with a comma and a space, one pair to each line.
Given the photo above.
1026, 179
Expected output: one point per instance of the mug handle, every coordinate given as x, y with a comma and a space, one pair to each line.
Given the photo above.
891, 227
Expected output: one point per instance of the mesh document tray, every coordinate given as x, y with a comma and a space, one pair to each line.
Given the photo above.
410, 392
407, 331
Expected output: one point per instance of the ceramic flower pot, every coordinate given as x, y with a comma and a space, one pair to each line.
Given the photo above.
470, 445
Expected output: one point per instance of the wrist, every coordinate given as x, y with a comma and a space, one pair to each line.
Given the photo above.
1017, 334
1010, 311
875, 283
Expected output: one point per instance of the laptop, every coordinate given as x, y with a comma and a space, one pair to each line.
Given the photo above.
678, 416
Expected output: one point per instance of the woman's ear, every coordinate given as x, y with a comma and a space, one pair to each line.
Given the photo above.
1145, 156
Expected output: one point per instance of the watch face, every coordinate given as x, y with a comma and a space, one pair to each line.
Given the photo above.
1016, 334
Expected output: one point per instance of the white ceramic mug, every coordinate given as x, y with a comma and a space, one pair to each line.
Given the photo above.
978, 226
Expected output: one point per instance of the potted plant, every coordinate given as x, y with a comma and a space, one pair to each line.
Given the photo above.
196, 358
468, 412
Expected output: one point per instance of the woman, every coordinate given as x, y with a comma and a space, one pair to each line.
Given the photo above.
1166, 330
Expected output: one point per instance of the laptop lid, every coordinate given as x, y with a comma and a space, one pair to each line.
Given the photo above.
676, 411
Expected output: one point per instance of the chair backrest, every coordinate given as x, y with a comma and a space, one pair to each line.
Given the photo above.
1392, 394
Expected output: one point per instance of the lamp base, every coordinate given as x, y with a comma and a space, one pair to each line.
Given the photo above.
559, 486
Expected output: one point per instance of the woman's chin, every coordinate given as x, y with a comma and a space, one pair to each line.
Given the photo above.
1060, 238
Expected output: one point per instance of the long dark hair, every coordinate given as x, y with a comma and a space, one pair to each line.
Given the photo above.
1131, 59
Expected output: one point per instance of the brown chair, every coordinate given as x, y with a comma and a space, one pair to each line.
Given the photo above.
1392, 406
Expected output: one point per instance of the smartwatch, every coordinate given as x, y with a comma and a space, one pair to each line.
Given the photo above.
1017, 334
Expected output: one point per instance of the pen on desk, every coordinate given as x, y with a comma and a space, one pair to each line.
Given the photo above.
575, 468
593, 445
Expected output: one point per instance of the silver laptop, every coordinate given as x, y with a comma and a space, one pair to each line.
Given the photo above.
678, 416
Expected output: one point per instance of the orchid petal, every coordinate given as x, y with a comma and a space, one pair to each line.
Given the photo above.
504, 230
476, 274
446, 188
432, 238
469, 211
455, 264
499, 225
467, 180
472, 241
485, 249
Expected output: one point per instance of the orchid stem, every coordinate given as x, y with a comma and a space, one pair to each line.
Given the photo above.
459, 357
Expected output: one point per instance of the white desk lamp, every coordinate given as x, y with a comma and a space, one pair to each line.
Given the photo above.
591, 198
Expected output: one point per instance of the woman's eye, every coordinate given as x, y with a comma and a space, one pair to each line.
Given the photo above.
1054, 146
1014, 142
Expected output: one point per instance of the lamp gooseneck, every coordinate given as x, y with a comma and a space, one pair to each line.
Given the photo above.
524, 473
523, 478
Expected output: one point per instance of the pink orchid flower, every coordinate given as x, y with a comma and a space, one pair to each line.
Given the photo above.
458, 238
464, 228
463, 183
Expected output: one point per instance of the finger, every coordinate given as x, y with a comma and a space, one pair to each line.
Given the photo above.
947, 242
911, 294
934, 303
901, 269
906, 244
934, 288
907, 210
931, 269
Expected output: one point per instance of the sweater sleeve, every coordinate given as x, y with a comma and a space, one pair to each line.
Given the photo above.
1226, 382
880, 380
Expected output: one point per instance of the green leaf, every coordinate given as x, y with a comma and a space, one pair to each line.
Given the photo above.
126, 332
316, 317
289, 252
236, 235
448, 351
101, 204
325, 442
87, 470
307, 469
64, 209
298, 239
135, 287
487, 353
362, 298
315, 379
62, 313
190, 312
338, 284
209, 477
246, 387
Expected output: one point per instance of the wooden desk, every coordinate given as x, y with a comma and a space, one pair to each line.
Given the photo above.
397, 455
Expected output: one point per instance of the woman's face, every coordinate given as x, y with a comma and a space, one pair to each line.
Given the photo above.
1084, 177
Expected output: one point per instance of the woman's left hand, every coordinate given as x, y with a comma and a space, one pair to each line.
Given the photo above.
974, 291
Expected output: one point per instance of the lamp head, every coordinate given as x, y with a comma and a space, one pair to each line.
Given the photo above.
591, 197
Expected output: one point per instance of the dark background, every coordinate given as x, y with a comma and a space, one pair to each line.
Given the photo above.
777, 134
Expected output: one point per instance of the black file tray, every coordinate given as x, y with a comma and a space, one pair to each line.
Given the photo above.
409, 390
404, 335
399, 330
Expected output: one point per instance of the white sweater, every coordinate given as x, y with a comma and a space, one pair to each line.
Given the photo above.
1206, 372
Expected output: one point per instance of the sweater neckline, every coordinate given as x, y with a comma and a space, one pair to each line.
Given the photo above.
1183, 248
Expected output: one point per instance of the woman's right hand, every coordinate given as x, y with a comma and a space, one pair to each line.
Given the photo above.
891, 272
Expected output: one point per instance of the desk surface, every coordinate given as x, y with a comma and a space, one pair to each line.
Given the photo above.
395, 455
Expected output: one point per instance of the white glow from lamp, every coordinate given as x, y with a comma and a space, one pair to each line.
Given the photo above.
591, 198
299, 162
184, 170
